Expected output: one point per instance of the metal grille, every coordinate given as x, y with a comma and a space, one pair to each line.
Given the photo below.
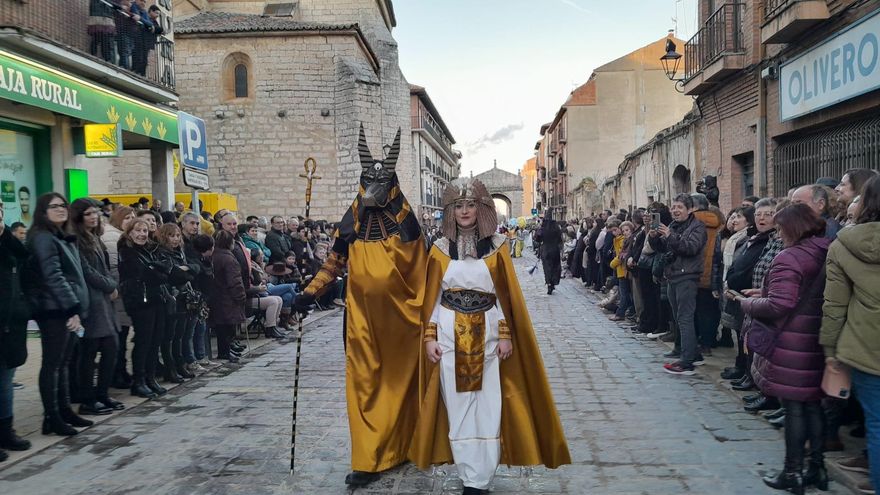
826, 154
722, 34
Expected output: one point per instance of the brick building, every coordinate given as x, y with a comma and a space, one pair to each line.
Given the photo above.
786, 92
277, 83
56, 79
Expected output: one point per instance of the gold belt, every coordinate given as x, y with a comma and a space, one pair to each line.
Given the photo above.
467, 301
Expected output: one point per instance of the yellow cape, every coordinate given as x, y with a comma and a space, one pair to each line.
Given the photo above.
531, 432
385, 287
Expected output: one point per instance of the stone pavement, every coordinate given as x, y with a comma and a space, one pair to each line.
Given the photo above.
631, 428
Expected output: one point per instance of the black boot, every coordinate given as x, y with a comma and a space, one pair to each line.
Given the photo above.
139, 388
122, 380
789, 479
8, 439
72, 419
54, 424
3, 455
182, 371
94, 408
469, 490
153, 385
360, 478
549, 289
816, 475
745, 384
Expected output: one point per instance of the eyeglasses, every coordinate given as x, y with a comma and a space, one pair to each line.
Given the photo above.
56, 206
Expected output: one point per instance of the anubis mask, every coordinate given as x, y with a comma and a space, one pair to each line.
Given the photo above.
378, 178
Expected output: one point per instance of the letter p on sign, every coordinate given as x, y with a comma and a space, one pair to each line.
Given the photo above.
193, 145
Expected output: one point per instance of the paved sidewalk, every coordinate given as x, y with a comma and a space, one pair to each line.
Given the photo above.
631, 428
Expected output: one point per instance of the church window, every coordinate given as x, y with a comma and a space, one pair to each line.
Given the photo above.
241, 81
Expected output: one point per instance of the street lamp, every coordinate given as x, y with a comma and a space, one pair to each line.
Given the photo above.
670, 63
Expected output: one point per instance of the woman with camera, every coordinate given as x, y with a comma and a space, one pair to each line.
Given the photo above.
60, 299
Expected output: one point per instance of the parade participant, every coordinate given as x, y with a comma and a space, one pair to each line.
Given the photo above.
380, 242
551, 252
490, 374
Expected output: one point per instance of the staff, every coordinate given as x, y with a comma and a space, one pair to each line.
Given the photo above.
299, 333
309, 176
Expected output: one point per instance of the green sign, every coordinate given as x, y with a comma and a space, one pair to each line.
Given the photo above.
7, 191
28, 82
77, 183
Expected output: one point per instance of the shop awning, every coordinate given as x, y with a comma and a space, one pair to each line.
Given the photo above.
32, 83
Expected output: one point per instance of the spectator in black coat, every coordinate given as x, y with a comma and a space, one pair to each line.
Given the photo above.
101, 325
142, 279
14, 314
277, 241
60, 299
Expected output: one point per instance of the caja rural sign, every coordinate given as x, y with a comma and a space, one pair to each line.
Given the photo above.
31, 83
843, 67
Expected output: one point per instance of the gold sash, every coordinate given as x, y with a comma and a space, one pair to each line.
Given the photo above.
470, 347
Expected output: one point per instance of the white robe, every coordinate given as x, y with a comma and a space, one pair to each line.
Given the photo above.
474, 417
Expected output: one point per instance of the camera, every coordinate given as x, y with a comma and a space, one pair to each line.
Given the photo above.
708, 185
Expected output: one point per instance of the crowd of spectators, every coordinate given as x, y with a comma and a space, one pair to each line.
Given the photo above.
793, 283
123, 32
97, 276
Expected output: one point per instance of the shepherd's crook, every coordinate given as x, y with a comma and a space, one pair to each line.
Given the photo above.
295, 391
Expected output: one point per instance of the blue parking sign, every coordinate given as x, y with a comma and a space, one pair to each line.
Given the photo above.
193, 141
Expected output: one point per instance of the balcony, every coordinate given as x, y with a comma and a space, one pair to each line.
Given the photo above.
716, 51
786, 20
422, 123
117, 46
562, 138
554, 145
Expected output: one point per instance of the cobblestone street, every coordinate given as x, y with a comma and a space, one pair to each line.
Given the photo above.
631, 428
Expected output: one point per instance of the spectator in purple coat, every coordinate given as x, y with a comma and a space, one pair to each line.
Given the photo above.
791, 304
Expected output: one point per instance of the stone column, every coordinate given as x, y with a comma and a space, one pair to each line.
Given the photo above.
162, 174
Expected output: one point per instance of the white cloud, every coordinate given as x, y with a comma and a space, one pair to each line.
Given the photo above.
576, 6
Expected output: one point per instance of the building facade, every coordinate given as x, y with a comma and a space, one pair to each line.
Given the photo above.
62, 70
529, 174
622, 105
787, 92
278, 83
438, 162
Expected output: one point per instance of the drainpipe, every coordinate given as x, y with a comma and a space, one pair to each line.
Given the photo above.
761, 130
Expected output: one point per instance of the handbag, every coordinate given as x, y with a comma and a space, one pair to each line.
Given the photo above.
836, 380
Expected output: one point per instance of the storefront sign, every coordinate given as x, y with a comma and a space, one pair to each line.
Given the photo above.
7, 191
102, 140
843, 67
31, 83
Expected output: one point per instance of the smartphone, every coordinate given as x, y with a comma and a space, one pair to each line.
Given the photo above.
655, 221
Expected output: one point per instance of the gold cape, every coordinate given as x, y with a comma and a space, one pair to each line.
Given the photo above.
531, 433
385, 289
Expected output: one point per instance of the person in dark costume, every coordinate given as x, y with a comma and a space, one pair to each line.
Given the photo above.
551, 251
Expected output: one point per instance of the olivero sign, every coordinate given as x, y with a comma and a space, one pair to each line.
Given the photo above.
843, 67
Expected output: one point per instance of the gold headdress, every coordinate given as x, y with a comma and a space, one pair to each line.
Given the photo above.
473, 189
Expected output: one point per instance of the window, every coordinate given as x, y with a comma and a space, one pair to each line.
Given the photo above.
746, 164
279, 9
238, 78
241, 81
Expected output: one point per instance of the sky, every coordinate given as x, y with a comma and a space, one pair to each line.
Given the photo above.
499, 69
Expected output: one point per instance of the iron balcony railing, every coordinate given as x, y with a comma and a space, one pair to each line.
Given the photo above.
422, 122
722, 34
773, 7
106, 30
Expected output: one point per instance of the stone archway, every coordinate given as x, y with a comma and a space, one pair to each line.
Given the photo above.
681, 180
503, 208
506, 188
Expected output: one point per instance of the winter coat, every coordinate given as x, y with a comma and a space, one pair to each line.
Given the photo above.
251, 243
617, 264
111, 240
713, 221
179, 280
683, 249
739, 274
14, 307
101, 321
227, 297
832, 227
101, 18
142, 277
850, 326
791, 303
60, 290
